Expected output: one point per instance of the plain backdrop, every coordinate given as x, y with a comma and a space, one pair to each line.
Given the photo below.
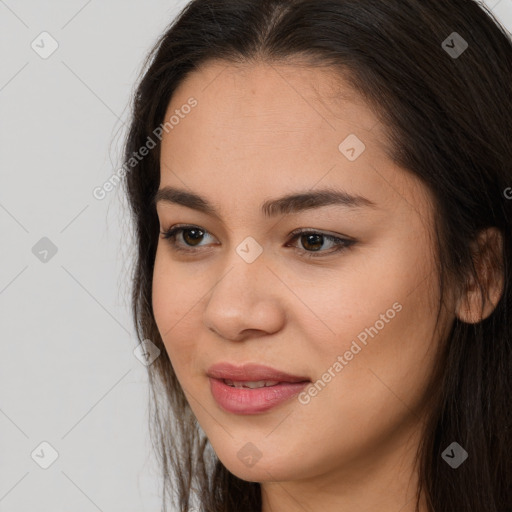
73, 396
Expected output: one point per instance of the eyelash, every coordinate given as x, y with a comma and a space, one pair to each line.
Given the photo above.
341, 243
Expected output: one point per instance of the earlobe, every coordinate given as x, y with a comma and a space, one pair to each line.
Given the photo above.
475, 304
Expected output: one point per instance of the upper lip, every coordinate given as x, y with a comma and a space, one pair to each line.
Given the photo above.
251, 372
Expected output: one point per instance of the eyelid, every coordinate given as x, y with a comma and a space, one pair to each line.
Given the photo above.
324, 232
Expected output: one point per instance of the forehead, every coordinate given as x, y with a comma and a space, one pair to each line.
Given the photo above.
294, 99
271, 128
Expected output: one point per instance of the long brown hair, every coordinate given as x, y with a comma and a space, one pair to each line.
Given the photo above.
449, 121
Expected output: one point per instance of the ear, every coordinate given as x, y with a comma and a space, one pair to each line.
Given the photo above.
472, 307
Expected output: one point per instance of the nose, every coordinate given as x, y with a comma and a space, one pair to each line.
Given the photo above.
245, 302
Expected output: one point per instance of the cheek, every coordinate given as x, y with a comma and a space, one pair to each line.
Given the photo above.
386, 287
379, 316
174, 297
175, 291
384, 322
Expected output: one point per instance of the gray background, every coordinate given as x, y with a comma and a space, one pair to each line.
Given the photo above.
68, 374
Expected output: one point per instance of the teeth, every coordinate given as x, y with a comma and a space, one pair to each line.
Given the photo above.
251, 384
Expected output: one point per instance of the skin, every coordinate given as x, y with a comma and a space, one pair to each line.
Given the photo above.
262, 131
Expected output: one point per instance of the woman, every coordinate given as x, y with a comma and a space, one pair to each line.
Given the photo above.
319, 191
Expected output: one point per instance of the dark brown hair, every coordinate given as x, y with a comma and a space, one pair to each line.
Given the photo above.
449, 122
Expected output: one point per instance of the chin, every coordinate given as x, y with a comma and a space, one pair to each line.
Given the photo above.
263, 469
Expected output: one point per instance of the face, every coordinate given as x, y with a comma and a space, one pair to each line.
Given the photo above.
348, 305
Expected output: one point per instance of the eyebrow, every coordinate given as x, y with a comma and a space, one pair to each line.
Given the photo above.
291, 203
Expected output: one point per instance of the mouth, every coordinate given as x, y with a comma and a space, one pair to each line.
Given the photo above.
255, 384
251, 388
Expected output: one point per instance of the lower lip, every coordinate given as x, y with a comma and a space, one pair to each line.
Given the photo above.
253, 401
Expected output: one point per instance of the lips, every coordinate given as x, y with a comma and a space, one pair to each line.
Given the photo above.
251, 373
252, 388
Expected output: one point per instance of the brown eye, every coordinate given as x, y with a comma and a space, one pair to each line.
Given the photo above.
192, 236
312, 242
